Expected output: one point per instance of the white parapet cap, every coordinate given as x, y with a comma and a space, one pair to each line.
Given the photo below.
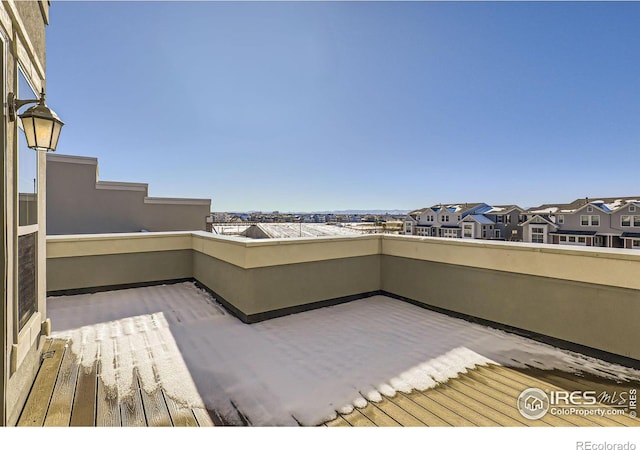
177, 201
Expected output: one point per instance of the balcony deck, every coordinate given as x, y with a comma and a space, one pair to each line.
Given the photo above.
156, 356
66, 394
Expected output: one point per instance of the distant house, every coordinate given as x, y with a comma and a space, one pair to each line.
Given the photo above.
454, 221
606, 222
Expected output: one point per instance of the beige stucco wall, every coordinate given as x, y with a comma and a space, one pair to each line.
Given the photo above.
589, 297
77, 202
22, 26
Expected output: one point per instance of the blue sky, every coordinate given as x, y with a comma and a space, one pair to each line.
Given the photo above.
304, 106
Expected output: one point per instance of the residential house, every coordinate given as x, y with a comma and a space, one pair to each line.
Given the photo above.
605, 222
468, 220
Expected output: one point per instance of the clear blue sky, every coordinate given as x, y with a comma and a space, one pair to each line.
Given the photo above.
297, 106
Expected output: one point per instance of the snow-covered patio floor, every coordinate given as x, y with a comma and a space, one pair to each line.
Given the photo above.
302, 368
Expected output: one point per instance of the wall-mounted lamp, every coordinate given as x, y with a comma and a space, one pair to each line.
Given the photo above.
41, 125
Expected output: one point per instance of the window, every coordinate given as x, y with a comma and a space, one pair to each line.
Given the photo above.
561, 219
592, 221
582, 239
27, 300
496, 233
467, 230
589, 209
626, 221
459, 217
636, 221
632, 208
537, 235
572, 238
499, 219
563, 239
635, 243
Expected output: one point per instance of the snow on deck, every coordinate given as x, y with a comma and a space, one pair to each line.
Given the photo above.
302, 367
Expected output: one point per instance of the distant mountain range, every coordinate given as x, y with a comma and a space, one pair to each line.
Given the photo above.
342, 211
365, 211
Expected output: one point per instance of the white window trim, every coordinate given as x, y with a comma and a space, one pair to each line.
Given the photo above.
590, 220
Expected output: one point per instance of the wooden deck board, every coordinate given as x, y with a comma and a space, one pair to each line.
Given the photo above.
440, 411
156, 409
107, 408
398, 413
430, 419
180, 416
83, 413
461, 395
357, 419
202, 417
131, 409
338, 422
59, 414
438, 394
378, 415
37, 405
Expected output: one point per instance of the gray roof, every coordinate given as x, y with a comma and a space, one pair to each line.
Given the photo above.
482, 219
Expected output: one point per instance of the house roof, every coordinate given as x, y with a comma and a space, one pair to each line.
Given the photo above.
480, 219
607, 204
536, 220
450, 226
627, 234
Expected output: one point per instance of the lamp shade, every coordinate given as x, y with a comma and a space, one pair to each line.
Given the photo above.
41, 127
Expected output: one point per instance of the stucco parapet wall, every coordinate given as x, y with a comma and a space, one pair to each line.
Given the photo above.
604, 266
609, 267
73, 245
255, 253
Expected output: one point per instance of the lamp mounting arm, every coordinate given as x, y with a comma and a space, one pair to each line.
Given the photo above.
15, 104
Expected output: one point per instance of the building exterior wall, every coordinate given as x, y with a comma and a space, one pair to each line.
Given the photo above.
22, 42
77, 203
